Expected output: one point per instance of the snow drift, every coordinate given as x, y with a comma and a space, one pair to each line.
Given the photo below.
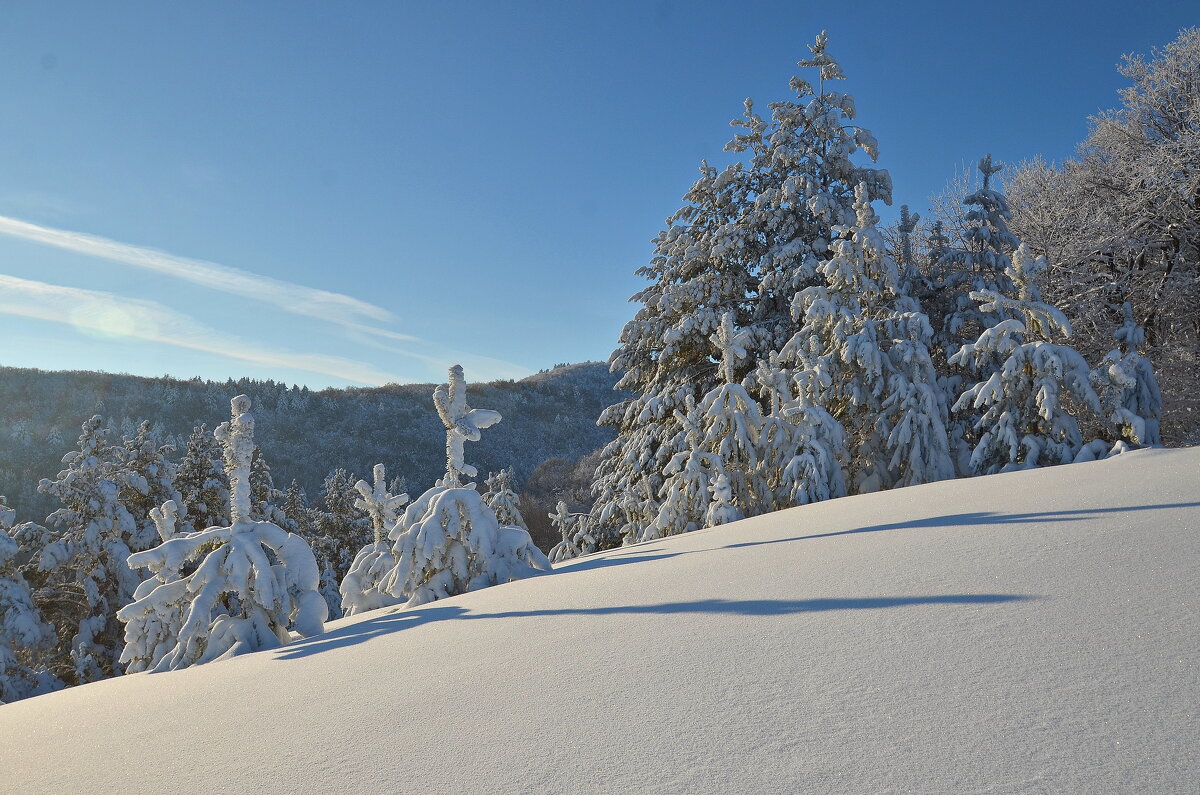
1027, 632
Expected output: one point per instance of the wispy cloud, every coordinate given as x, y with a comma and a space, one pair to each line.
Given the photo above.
354, 316
116, 317
332, 307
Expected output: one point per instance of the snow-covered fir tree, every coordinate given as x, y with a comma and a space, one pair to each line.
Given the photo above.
24, 635
720, 439
361, 588
862, 353
200, 480
149, 482
688, 481
1022, 420
264, 497
802, 448
85, 560
749, 237
1126, 386
342, 529
980, 262
448, 541
577, 538
501, 497
253, 581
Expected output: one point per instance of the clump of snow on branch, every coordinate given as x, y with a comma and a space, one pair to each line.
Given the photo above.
251, 584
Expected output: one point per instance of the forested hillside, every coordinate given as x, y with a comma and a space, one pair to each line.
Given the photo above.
304, 435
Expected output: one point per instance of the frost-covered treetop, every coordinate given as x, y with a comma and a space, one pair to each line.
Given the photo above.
237, 436
988, 169
463, 424
830, 70
377, 503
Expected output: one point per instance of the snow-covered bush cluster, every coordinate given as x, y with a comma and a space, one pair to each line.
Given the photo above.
449, 540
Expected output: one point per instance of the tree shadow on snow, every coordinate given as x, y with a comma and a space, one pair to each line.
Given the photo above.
407, 619
974, 518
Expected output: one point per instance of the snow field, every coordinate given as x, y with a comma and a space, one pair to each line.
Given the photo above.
1027, 632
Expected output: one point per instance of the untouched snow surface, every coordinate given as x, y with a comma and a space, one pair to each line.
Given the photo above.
1030, 632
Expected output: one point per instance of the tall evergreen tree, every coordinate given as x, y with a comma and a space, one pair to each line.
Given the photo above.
748, 238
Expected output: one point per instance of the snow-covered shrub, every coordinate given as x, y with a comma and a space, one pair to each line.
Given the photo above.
449, 541
253, 581
361, 588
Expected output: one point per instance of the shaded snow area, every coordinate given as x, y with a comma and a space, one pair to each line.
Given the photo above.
1027, 632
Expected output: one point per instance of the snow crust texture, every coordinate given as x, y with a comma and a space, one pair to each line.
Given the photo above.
1033, 631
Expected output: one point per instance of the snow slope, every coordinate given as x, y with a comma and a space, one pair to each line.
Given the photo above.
1029, 632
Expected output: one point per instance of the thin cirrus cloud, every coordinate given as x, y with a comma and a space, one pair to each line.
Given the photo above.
331, 307
117, 317
351, 314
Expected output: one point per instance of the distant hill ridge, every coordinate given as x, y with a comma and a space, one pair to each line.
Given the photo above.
304, 434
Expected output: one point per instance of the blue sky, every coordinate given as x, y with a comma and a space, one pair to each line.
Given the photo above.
332, 194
